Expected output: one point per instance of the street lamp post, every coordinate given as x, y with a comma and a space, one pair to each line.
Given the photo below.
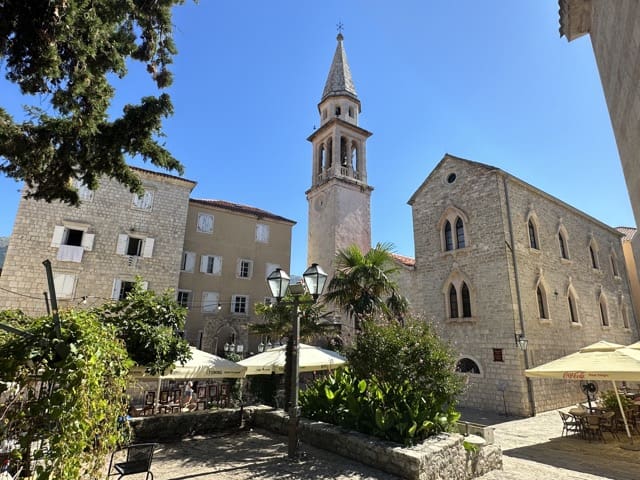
279, 284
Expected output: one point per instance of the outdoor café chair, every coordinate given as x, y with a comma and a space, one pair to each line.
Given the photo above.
132, 459
570, 424
608, 423
591, 427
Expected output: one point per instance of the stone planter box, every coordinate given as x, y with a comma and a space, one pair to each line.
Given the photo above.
443, 457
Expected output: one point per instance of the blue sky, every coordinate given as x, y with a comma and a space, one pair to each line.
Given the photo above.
490, 81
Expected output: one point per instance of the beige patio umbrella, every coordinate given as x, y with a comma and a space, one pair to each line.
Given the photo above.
310, 359
599, 361
200, 365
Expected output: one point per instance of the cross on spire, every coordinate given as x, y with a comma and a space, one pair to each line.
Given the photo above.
340, 27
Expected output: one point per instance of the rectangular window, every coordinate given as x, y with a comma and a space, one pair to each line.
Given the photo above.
211, 264
188, 261
183, 298
122, 287
143, 201
497, 355
262, 233
204, 223
71, 242
64, 284
239, 304
85, 194
135, 246
210, 302
245, 268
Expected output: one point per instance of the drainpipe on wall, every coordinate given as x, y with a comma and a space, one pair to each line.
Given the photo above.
532, 403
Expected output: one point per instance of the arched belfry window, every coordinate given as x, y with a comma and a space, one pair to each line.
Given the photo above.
453, 302
460, 233
563, 246
448, 237
533, 235
467, 365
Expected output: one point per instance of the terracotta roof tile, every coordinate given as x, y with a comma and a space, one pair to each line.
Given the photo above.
236, 207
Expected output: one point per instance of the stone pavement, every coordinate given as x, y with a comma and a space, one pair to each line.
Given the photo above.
532, 450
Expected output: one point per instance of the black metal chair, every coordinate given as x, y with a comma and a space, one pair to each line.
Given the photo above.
132, 459
570, 424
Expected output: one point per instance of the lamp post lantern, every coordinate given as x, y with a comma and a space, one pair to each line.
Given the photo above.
279, 284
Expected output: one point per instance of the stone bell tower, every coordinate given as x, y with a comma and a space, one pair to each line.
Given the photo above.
339, 197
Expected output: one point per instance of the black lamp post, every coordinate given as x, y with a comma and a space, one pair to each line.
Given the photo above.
279, 284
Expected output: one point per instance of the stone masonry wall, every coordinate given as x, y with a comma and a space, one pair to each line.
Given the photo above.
486, 265
108, 214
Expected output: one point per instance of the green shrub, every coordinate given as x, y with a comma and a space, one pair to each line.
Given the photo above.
67, 393
400, 386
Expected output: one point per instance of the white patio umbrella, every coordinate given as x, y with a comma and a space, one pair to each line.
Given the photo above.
599, 361
310, 359
201, 365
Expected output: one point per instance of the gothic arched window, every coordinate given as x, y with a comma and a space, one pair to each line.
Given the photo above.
466, 301
542, 310
604, 315
573, 311
563, 246
533, 235
459, 233
594, 258
453, 302
448, 237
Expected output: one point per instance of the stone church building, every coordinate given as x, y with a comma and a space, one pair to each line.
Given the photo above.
496, 260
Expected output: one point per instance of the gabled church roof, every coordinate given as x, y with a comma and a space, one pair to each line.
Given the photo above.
339, 81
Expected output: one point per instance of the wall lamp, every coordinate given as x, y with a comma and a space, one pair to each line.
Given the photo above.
521, 341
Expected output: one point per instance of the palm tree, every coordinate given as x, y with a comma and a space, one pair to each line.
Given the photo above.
362, 284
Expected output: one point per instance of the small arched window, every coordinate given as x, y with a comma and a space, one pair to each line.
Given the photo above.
573, 311
466, 365
604, 315
563, 246
460, 233
542, 310
453, 302
625, 317
614, 267
594, 258
466, 301
448, 237
533, 237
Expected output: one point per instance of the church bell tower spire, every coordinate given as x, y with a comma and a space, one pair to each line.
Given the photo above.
339, 197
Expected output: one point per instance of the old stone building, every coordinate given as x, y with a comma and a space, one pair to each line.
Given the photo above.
229, 250
613, 27
97, 250
497, 259
215, 255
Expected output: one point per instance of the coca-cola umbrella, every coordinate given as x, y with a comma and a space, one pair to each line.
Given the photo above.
600, 361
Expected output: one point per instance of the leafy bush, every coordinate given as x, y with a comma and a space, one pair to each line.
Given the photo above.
401, 385
609, 401
398, 412
66, 395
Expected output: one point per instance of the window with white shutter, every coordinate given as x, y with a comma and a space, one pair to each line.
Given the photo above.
65, 284
122, 287
144, 201
183, 298
211, 264
262, 233
134, 246
210, 301
71, 242
188, 262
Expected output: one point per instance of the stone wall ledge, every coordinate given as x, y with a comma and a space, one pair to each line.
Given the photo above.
442, 457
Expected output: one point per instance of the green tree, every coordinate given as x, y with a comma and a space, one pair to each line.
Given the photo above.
362, 285
279, 324
62, 54
64, 395
150, 325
